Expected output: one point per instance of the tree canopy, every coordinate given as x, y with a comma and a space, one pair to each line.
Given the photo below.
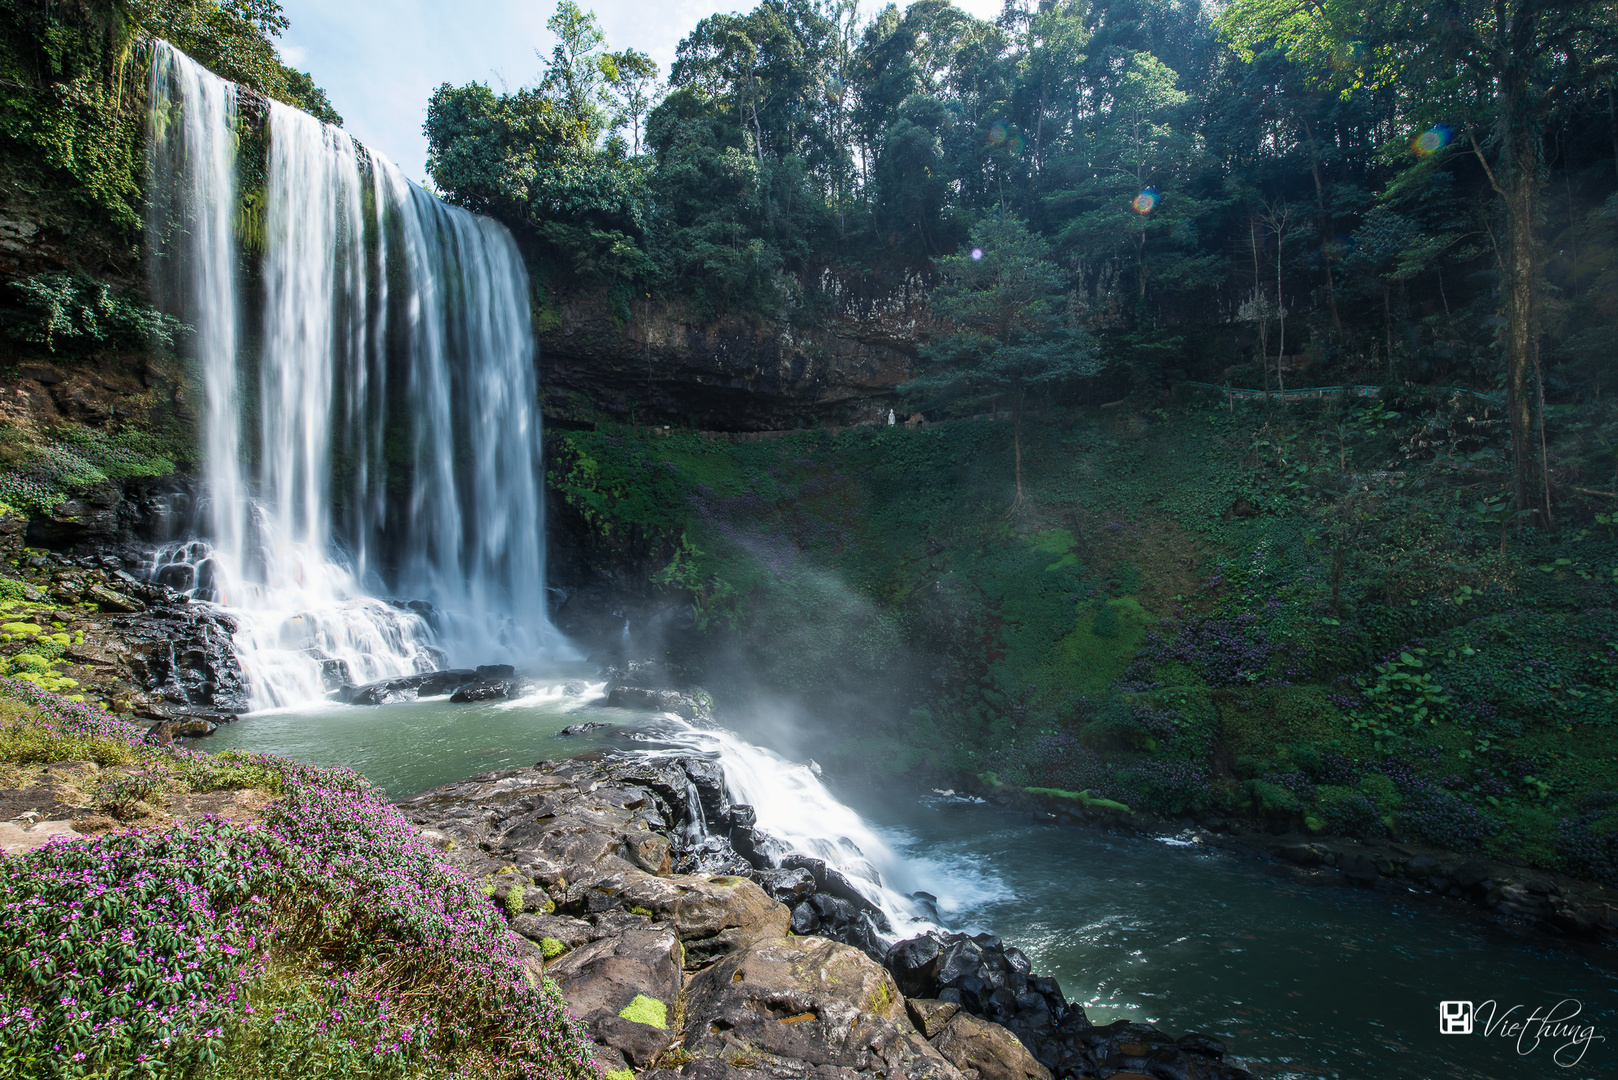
1316, 193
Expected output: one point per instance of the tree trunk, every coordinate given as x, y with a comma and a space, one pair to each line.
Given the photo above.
1140, 265
1016, 445
1612, 122
1325, 229
1281, 313
1521, 178
1387, 326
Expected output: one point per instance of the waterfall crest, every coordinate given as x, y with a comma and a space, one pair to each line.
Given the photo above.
371, 424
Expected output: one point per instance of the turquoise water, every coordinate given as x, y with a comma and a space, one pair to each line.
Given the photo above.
412, 746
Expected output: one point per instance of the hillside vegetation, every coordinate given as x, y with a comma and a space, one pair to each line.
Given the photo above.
1323, 615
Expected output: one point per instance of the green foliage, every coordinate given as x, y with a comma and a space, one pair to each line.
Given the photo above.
513, 900
1008, 327
711, 596
72, 89
876, 569
576, 76
550, 948
1403, 694
1083, 797
1273, 797
75, 312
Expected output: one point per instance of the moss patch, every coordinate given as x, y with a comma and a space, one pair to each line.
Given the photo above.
646, 1010
1103, 643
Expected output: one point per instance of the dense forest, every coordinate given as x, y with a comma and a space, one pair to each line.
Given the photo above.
1271, 192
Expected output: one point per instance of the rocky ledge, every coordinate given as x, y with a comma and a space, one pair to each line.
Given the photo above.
642, 891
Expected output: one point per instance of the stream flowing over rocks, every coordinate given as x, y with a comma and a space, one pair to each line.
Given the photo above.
642, 891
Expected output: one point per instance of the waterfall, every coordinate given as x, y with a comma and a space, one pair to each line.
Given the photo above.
371, 425
798, 813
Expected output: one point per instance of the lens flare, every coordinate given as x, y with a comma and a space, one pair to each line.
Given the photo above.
834, 89
1432, 140
997, 133
977, 253
1146, 201
1015, 144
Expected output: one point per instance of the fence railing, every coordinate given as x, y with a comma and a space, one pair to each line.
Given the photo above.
1307, 393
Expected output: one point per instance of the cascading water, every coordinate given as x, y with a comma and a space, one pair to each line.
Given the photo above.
371, 416
798, 814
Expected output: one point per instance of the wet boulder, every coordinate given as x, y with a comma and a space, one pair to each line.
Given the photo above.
712, 913
621, 986
691, 706
971, 1043
536, 927
930, 1016
790, 887
1122, 1048
166, 731
110, 600
807, 1000
484, 690
406, 687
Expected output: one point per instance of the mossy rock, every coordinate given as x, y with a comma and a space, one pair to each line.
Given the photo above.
1083, 797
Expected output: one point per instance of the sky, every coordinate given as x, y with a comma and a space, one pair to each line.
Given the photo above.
380, 60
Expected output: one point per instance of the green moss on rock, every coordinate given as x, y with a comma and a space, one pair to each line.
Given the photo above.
646, 1010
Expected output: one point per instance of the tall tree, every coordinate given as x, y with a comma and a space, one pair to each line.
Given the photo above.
575, 76
1007, 332
633, 78
1127, 172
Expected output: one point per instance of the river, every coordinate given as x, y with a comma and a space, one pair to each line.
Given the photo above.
1302, 980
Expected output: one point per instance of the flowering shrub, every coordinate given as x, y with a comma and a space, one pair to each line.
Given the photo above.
1234, 651
1441, 818
326, 940
1588, 842
1351, 814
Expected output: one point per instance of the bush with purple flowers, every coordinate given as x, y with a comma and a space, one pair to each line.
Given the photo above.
1233, 651
1588, 841
1440, 817
325, 940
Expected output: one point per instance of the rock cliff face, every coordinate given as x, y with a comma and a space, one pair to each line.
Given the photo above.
660, 366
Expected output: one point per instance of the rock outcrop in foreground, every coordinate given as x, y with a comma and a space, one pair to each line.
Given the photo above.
622, 876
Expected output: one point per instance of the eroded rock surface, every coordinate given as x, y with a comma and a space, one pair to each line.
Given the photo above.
621, 876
